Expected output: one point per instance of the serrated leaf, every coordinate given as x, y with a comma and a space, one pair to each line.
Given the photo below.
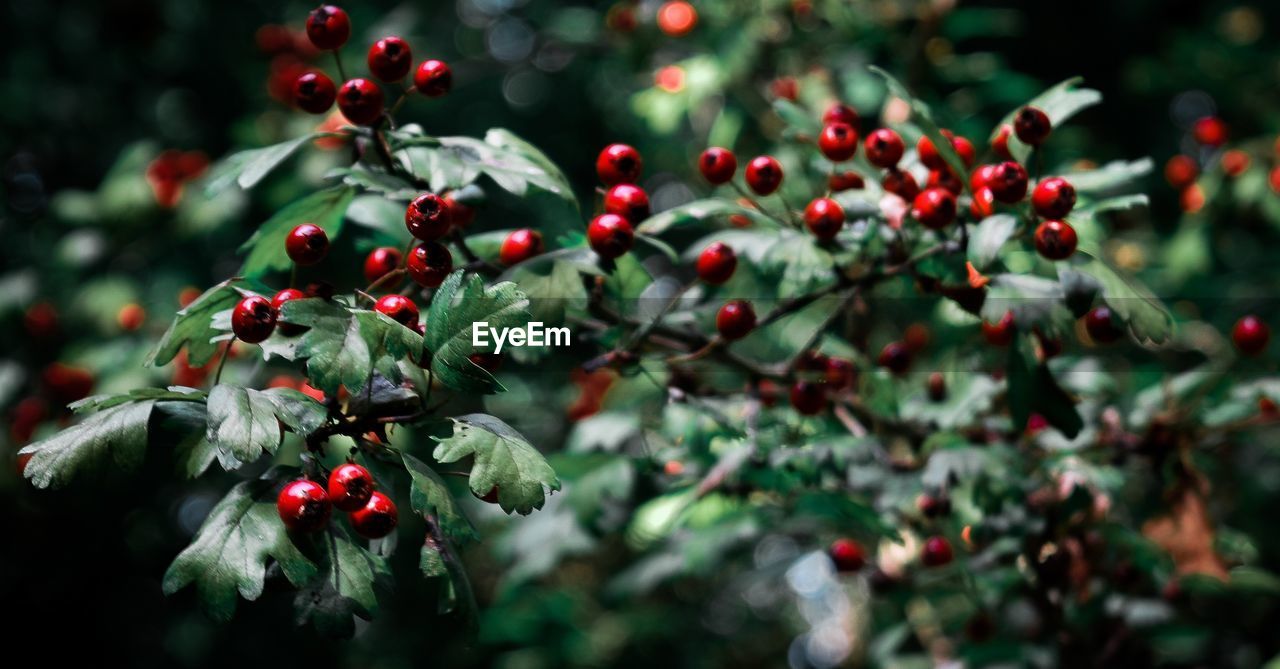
247, 168
452, 316
1146, 317
390, 186
503, 459
698, 211
1111, 176
988, 237
1058, 103
344, 346
344, 588
429, 495
193, 327
244, 423
118, 433
100, 402
805, 266
266, 250
512, 163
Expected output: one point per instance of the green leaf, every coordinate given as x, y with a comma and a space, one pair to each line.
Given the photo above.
448, 339
326, 208
230, 553
345, 587
1059, 103
923, 118
552, 294
119, 432
244, 423
1034, 301
805, 266
193, 327
429, 495
512, 163
696, 212
247, 168
100, 402
344, 346
389, 186
988, 237
1032, 389
503, 459
797, 117
1148, 320
1109, 177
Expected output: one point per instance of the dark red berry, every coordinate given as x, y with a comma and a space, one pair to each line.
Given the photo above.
945, 179
399, 308
1032, 126
808, 398
253, 319
618, 164
824, 218
461, 214
735, 319
427, 217
628, 201
895, 357
360, 100
937, 386
936, 552
489, 362
1101, 326
716, 263
840, 373
717, 165
390, 59
847, 180
610, 235
490, 497
328, 27
381, 262
67, 383
933, 506
1053, 198
884, 148
840, 113
314, 92
277, 302
934, 208
377, 518
1211, 131
900, 183
1250, 335
433, 78
1056, 240
429, 264
847, 555
764, 175
1181, 171
810, 361
838, 141
307, 244
1049, 347
1000, 143
999, 334
1008, 182
303, 505
520, 246
350, 487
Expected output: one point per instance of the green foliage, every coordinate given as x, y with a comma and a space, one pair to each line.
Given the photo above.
460, 303
504, 461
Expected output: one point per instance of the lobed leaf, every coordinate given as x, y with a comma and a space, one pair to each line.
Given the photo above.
503, 459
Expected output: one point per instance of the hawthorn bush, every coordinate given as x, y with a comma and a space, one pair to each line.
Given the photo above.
881, 394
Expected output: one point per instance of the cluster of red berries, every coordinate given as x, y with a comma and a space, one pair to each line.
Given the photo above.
611, 234
305, 505
360, 100
849, 556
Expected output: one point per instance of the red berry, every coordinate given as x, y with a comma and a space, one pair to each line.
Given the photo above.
884, 148
520, 246
390, 59
131, 317
735, 319
67, 383
928, 154
429, 263
840, 373
277, 301
350, 487
377, 518
824, 218
936, 552
1181, 171
933, 506
433, 78
1000, 143
838, 141
304, 506
628, 201
981, 177
983, 204
1211, 131
1053, 198
328, 27
716, 263
895, 357
847, 555
764, 175
618, 164
999, 334
40, 321
381, 262
1235, 162
808, 398
1032, 126
1101, 326
937, 387
717, 165
490, 497
253, 319
848, 180
307, 244
314, 92
934, 208
610, 235
840, 113
1056, 240
489, 362
360, 100
460, 214
964, 149
677, 18
1008, 182
945, 179
399, 308
811, 361
900, 183
1250, 335
427, 217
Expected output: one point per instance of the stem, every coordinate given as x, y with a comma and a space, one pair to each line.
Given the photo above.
342, 71
226, 352
393, 275
755, 203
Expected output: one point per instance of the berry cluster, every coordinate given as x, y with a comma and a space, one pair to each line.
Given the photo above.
306, 506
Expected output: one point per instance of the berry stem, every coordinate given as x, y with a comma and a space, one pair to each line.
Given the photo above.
337, 57
748, 197
226, 352
393, 275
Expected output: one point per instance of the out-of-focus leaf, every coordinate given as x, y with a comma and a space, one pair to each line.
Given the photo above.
266, 250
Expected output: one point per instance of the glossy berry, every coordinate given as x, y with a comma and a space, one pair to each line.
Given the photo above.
735, 319
360, 100
716, 263
936, 552
937, 386
838, 141
895, 357
610, 235
429, 264
303, 505
928, 154
983, 203
847, 180
390, 59
399, 308
847, 555
764, 175
1210, 131
350, 487
277, 302
1000, 143
945, 179
1250, 335
884, 148
1032, 126
1001, 333
934, 208
900, 183
307, 244
1008, 182
433, 78
824, 217
981, 177
1100, 324
618, 164
253, 319
1056, 240
808, 398
380, 262
427, 217
717, 165
377, 518
328, 27
628, 201
840, 113
964, 149
314, 92
520, 246
1053, 198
